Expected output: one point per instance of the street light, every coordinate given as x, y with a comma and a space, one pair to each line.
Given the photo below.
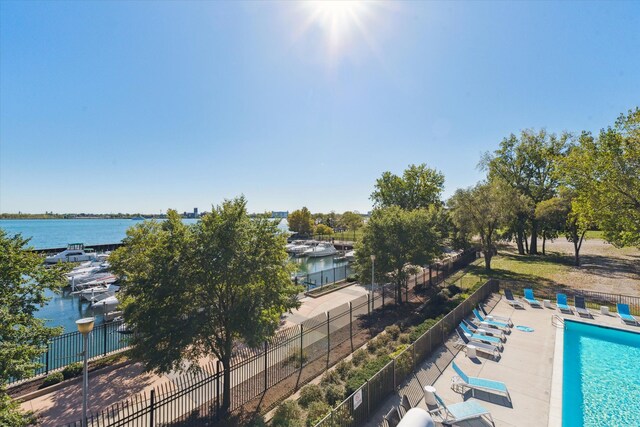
85, 326
373, 267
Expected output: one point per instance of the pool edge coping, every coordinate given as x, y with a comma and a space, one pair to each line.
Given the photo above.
555, 397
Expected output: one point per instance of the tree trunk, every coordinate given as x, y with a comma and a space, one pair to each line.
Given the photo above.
519, 240
533, 248
576, 249
526, 242
226, 379
399, 292
488, 254
544, 241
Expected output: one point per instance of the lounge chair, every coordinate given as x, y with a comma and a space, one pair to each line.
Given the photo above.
625, 315
458, 412
484, 331
495, 318
462, 381
513, 302
405, 405
561, 303
491, 323
392, 417
485, 348
482, 338
580, 306
528, 297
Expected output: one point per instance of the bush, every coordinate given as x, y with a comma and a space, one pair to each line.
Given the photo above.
256, 421
372, 346
359, 356
317, 411
352, 278
383, 339
309, 394
454, 289
359, 376
393, 331
334, 394
295, 359
330, 377
52, 379
343, 368
288, 414
73, 370
404, 339
422, 328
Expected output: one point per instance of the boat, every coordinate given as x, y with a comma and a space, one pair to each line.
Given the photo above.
299, 250
108, 301
124, 329
320, 250
93, 293
75, 252
350, 256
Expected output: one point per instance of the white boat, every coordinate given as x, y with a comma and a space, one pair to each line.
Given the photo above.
299, 250
94, 293
75, 252
108, 301
350, 256
320, 250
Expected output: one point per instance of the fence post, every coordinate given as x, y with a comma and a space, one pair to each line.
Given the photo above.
368, 400
382, 287
328, 338
217, 389
266, 371
351, 324
393, 367
47, 368
369, 303
301, 349
152, 406
104, 335
430, 278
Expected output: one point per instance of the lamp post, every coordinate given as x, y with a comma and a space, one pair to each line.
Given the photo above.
85, 326
373, 267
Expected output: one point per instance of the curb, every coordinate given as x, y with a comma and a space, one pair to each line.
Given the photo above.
337, 288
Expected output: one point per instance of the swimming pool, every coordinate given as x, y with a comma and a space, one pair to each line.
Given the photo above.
601, 376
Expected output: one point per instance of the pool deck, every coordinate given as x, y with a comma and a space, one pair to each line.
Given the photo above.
526, 366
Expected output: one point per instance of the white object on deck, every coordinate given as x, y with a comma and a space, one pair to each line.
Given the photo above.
430, 395
416, 417
546, 303
471, 352
604, 309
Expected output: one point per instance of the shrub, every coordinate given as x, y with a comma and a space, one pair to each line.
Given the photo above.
309, 394
422, 328
343, 368
72, 370
383, 339
288, 414
52, 379
352, 278
404, 339
317, 411
330, 377
454, 289
256, 421
359, 376
295, 359
359, 356
334, 394
393, 331
373, 345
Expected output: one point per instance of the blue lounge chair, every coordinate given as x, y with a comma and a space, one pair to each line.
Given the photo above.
581, 307
528, 297
459, 412
483, 338
561, 303
625, 315
495, 318
484, 331
491, 323
485, 348
464, 381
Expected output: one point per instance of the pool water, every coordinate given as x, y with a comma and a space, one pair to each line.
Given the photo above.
601, 376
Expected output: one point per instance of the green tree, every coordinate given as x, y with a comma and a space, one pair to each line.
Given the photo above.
418, 187
398, 238
351, 220
301, 221
528, 163
23, 337
196, 291
552, 216
324, 230
605, 172
481, 210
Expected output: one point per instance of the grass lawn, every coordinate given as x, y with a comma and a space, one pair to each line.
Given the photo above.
594, 234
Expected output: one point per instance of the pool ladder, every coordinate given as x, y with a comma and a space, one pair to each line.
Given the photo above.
557, 321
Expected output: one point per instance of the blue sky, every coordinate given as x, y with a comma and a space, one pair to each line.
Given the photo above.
144, 106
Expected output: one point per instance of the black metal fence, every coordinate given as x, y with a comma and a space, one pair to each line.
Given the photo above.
66, 349
358, 407
195, 399
325, 277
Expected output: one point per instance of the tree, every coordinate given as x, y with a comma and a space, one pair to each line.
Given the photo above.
196, 291
528, 164
351, 220
398, 238
481, 210
418, 187
324, 230
23, 337
552, 216
301, 221
605, 172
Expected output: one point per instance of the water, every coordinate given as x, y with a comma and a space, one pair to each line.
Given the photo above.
601, 379
64, 309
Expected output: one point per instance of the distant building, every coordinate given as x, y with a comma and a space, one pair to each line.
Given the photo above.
195, 212
279, 214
